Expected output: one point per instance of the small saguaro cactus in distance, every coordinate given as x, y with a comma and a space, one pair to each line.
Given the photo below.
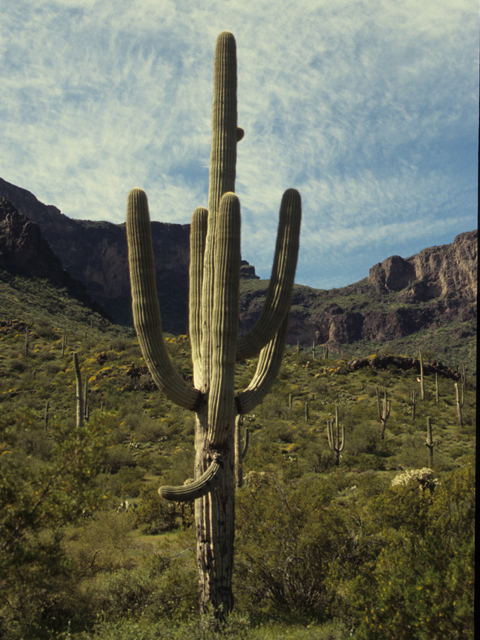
422, 377
429, 442
459, 406
383, 411
79, 396
27, 342
213, 328
335, 441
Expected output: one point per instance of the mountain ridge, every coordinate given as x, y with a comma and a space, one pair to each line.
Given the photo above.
400, 297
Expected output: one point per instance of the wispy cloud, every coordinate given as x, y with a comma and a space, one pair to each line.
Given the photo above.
369, 109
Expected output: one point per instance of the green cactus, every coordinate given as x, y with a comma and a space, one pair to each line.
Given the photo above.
335, 441
429, 442
213, 320
383, 411
79, 396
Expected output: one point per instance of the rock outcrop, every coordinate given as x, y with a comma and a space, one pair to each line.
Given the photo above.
24, 251
400, 297
449, 271
96, 253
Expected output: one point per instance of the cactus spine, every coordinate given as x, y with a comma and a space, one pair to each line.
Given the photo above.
213, 320
335, 441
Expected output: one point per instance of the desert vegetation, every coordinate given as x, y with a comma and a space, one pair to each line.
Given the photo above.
378, 546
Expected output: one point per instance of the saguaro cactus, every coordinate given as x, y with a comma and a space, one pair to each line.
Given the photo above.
429, 442
213, 320
335, 441
383, 411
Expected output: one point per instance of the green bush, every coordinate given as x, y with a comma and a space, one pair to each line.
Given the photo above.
421, 584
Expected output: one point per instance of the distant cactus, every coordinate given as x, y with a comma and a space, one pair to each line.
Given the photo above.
27, 344
213, 328
459, 406
336, 442
429, 442
422, 377
383, 411
79, 396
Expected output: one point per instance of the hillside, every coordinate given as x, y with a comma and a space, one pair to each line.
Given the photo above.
310, 535
427, 301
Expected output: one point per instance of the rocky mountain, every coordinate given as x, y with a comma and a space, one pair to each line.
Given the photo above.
24, 251
96, 253
429, 291
433, 289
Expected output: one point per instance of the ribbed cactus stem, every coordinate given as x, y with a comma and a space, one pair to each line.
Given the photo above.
226, 299
198, 235
206, 483
146, 311
268, 366
279, 293
223, 157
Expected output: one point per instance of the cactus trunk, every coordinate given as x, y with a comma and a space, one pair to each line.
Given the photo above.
213, 317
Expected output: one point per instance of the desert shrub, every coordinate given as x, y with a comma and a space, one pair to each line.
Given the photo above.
119, 456
125, 483
155, 515
364, 438
38, 497
168, 588
17, 365
45, 329
420, 585
100, 543
286, 540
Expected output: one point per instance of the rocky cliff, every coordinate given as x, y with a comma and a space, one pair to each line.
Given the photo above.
24, 251
432, 289
96, 254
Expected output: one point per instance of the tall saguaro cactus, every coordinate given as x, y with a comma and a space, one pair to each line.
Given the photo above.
213, 320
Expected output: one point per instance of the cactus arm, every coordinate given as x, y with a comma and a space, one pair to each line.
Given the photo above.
331, 443
267, 370
342, 446
223, 159
198, 232
206, 483
279, 293
226, 300
146, 310
246, 443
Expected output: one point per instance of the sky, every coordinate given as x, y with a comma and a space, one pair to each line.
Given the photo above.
368, 107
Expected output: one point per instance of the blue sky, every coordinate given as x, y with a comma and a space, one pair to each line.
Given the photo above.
369, 109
